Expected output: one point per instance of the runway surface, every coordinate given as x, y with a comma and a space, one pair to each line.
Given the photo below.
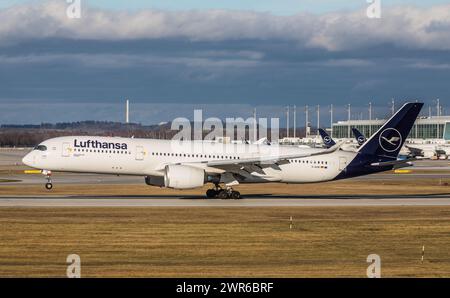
250, 201
73, 178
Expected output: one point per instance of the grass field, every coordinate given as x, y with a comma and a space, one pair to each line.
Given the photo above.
225, 242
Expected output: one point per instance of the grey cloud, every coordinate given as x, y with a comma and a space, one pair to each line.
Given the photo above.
402, 26
168, 63
124, 60
430, 65
344, 62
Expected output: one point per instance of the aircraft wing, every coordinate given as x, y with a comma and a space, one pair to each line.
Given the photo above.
270, 159
228, 164
414, 150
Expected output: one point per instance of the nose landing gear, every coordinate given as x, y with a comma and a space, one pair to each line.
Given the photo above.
49, 184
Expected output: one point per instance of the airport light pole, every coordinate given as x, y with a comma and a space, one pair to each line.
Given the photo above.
348, 121
306, 120
255, 126
295, 120
318, 119
370, 119
287, 122
438, 111
331, 119
438, 107
393, 106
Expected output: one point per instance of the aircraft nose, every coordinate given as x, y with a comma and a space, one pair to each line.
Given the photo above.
28, 159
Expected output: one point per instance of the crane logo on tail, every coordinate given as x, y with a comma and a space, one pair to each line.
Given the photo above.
390, 140
361, 140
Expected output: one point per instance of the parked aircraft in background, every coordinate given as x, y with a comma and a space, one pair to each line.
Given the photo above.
360, 138
328, 142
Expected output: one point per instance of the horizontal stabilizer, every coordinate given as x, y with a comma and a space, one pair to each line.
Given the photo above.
394, 162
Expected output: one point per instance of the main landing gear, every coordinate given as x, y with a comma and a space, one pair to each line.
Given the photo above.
48, 176
223, 194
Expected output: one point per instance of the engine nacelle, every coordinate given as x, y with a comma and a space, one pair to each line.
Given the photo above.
183, 177
155, 180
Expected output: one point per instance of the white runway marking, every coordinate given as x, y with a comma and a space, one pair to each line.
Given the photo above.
190, 202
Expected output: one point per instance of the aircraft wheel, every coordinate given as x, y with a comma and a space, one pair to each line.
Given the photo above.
223, 195
235, 195
211, 193
48, 185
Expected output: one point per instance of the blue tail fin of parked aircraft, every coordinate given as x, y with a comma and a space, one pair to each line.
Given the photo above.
386, 143
327, 140
360, 138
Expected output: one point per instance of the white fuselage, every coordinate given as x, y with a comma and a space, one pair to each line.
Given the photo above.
148, 157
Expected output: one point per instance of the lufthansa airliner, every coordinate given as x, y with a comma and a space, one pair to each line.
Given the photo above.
191, 164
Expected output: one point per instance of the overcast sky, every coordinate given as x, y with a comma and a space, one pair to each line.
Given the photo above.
228, 56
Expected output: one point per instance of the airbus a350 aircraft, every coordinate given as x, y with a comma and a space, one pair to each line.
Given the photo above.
191, 164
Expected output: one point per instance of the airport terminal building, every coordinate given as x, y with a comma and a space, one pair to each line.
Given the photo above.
436, 127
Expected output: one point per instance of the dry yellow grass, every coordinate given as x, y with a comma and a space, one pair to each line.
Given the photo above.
225, 242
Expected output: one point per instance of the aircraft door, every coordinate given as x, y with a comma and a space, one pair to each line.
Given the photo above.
140, 153
66, 149
342, 163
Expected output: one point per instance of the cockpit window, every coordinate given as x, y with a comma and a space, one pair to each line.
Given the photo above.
40, 148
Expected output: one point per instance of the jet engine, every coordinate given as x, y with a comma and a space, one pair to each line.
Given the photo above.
183, 177
155, 180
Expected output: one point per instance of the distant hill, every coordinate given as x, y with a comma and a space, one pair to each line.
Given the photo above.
29, 135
